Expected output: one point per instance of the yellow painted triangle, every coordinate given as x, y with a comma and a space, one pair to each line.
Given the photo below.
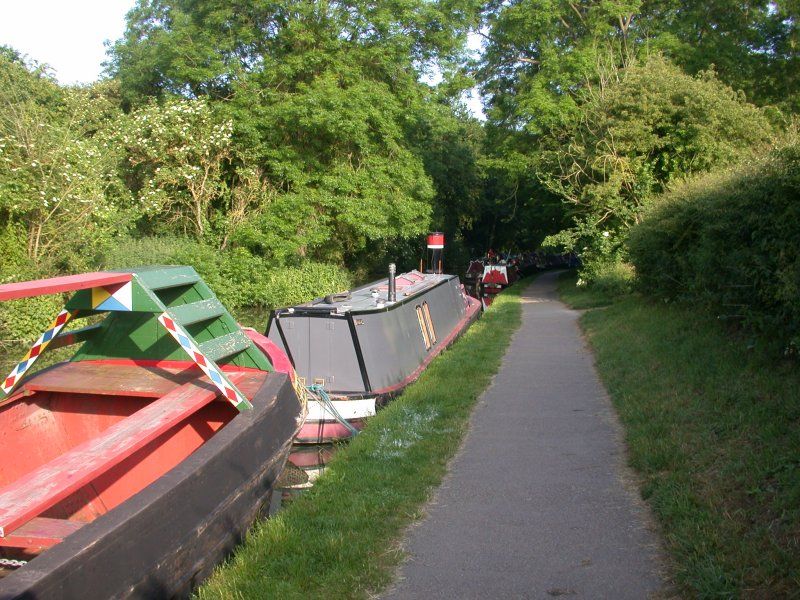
99, 295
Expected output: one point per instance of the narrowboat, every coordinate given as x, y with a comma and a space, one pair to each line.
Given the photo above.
496, 278
365, 345
135, 466
487, 277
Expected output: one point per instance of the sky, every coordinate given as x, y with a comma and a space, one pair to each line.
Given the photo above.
69, 36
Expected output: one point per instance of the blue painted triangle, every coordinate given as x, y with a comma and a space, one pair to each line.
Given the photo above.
112, 303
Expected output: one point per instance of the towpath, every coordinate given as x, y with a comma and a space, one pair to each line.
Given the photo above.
537, 503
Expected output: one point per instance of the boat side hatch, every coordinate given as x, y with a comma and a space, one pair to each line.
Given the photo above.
429, 322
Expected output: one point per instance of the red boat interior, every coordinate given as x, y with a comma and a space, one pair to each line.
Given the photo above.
80, 438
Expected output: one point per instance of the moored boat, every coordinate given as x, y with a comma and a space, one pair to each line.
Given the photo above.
367, 344
496, 278
139, 463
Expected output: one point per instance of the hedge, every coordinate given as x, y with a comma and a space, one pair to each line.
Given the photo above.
730, 242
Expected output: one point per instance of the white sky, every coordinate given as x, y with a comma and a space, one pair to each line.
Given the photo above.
69, 36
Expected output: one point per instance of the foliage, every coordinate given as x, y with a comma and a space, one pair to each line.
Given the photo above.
337, 153
324, 98
292, 285
205, 48
540, 53
729, 241
58, 167
547, 62
640, 129
178, 151
752, 44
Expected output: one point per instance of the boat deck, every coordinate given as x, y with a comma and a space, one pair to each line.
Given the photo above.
177, 393
373, 295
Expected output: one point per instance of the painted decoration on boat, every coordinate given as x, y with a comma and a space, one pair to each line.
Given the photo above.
36, 350
215, 374
113, 297
131, 300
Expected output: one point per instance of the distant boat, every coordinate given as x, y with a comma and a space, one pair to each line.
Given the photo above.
136, 466
369, 343
488, 277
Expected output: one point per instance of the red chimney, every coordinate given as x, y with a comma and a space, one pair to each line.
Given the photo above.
435, 252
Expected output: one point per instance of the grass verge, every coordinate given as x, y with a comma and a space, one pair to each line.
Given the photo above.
340, 540
581, 298
714, 431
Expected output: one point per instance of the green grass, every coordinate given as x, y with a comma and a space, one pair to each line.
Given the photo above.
341, 539
714, 431
581, 297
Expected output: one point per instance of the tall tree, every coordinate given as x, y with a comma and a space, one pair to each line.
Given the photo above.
324, 98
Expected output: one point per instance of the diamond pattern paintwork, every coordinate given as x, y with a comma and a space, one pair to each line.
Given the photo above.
208, 366
39, 345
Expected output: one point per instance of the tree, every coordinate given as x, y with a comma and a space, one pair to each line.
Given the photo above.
179, 151
641, 128
323, 98
59, 187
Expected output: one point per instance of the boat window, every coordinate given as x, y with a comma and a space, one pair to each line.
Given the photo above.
427, 311
423, 328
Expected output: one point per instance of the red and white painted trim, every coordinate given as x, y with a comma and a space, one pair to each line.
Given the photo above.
208, 366
39, 346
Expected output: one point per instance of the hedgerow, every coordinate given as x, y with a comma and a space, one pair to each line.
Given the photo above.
730, 241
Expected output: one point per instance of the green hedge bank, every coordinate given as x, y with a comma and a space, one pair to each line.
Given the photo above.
730, 241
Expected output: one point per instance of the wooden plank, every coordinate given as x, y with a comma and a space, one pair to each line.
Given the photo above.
195, 312
225, 345
41, 532
75, 336
46, 486
56, 285
159, 278
86, 377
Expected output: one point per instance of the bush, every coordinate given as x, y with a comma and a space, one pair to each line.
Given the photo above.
612, 278
238, 278
291, 285
21, 321
731, 242
649, 125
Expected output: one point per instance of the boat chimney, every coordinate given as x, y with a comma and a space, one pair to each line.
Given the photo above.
435, 252
392, 295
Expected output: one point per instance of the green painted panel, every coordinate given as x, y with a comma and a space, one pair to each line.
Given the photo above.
158, 278
196, 312
227, 345
138, 335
